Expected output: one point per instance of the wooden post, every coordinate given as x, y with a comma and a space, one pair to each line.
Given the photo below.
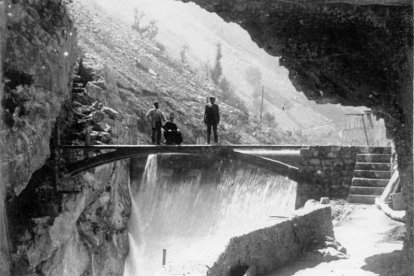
164, 256
363, 124
56, 142
87, 139
261, 111
365, 129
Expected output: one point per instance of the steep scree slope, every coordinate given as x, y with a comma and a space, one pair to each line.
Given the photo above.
143, 73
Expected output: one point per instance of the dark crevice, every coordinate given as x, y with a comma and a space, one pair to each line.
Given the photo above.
36, 207
86, 74
239, 270
13, 98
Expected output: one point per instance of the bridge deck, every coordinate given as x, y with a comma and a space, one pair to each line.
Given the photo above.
254, 154
166, 148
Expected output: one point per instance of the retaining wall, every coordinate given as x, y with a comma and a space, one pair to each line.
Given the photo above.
273, 247
328, 171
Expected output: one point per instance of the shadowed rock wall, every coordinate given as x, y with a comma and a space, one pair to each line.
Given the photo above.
82, 233
39, 57
357, 54
4, 246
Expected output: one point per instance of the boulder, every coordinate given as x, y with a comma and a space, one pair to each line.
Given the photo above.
93, 90
98, 116
113, 114
105, 137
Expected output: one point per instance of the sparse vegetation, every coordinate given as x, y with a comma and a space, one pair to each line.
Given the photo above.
269, 132
160, 46
145, 30
183, 54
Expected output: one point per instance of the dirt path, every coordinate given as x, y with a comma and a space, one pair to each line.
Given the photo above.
365, 233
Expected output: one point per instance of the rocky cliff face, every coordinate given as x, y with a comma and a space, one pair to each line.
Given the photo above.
39, 58
352, 54
4, 244
79, 226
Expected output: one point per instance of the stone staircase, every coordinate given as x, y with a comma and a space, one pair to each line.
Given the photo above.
371, 174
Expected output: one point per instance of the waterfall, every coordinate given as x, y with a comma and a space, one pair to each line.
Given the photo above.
194, 217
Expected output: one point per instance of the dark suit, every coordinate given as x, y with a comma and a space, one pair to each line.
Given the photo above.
172, 134
212, 119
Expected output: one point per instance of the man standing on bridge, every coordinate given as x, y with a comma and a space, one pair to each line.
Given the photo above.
212, 119
156, 118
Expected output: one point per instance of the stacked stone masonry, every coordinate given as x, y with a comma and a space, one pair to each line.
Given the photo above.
328, 171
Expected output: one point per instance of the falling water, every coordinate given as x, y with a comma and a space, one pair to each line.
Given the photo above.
194, 218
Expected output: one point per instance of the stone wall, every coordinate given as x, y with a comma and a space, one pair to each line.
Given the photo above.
275, 246
326, 171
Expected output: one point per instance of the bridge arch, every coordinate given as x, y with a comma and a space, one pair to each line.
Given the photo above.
237, 152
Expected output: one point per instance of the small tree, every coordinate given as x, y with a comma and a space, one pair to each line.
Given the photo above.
183, 54
217, 71
146, 31
151, 30
138, 17
269, 120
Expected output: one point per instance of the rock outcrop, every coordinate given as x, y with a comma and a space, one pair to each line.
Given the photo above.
39, 58
87, 224
4, 243
355, 53
78, 226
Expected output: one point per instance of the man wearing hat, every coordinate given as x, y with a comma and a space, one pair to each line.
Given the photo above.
212, 119
156, 119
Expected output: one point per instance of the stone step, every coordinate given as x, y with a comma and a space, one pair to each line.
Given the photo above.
363, 199
374, 158
378, 150
372, 174
369, 182
373, 166
355, 190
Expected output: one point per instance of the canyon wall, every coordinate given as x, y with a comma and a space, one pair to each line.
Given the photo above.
4, 241
39, 58
69, 227
80, 229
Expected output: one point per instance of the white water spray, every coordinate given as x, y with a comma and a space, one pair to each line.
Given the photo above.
194, 218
